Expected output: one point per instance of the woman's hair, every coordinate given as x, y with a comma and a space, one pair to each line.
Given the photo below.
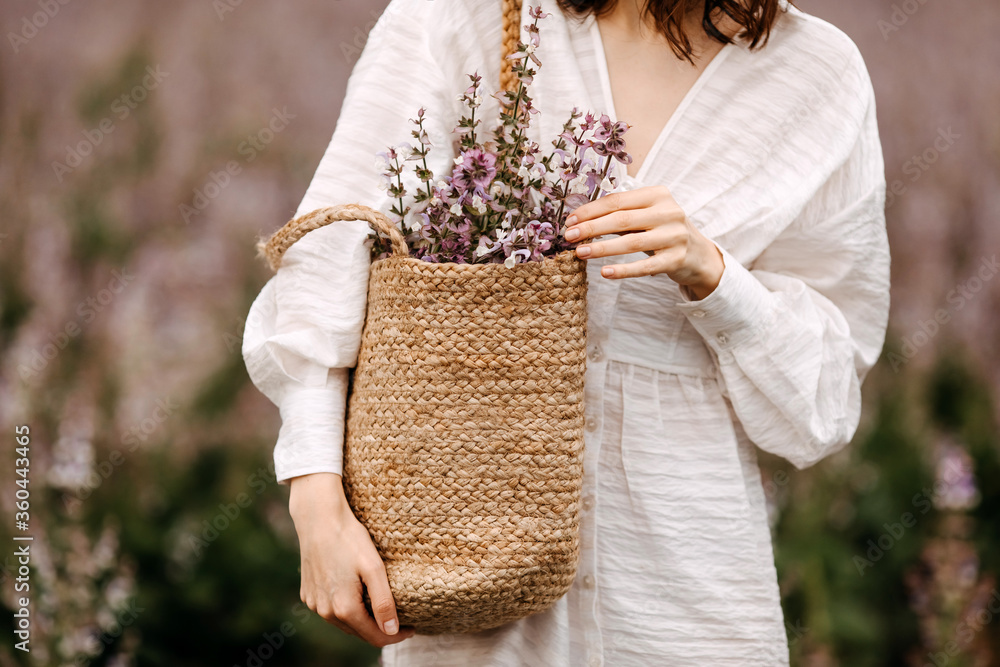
755, 16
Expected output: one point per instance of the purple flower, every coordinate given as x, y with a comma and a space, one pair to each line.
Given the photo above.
956, 480
572, 138
475, 78
534, 40
475, 171
623, 157
575, 201
609, 139
562, 155
539, 236
593, 180
511, 260
537, 13
604, 127
528, 50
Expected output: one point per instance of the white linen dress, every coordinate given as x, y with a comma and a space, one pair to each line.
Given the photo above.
775, 156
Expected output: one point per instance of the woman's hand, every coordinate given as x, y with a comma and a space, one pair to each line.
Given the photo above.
650, 221
338, 559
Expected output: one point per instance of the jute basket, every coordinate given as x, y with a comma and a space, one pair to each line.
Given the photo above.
464, 439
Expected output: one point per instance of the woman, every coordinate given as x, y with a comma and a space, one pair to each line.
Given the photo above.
738, 297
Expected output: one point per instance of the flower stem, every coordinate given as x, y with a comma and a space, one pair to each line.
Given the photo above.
423, 149
604, 174
399, 182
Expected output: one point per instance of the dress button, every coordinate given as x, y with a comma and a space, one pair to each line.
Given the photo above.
698, 313
588, 581
595, 661
591, 425
722, 338
588, 503
596, 354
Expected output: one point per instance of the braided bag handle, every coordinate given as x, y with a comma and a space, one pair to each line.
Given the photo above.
511, 34
273, 249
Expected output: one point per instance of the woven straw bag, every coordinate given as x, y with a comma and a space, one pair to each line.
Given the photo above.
464, 438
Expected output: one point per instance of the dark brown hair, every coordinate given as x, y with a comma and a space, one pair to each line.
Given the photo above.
755, 16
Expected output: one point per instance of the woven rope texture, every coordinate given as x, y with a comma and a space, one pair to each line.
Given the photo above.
463, 455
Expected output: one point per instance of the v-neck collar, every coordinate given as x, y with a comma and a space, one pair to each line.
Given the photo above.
605, 76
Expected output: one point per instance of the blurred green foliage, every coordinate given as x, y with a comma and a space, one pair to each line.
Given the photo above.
839, 582
216, 581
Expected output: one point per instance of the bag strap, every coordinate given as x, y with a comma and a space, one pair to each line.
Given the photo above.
273, 249
511, 35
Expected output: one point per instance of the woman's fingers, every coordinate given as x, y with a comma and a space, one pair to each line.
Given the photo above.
643, 267
383, 607
345, 609
616, 201
648, 242
356, 616
619, 222
646, 220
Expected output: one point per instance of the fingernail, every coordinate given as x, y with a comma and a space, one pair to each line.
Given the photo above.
572, 234
583, 251
391, 627
571, 220
607, 272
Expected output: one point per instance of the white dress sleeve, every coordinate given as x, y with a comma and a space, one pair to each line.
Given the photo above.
304, 328
795, 334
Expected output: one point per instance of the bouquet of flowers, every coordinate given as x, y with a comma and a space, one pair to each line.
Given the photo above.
502, 201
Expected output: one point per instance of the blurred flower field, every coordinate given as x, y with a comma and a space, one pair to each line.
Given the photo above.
143, 148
